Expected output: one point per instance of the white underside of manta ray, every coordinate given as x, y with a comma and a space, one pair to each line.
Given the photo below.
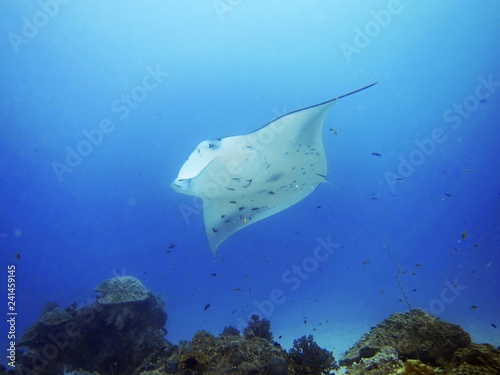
246, 178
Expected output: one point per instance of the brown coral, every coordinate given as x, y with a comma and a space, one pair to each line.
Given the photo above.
121, 289
435, 340
415, 367
481, 359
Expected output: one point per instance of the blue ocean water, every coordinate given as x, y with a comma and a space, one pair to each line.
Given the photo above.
147, 82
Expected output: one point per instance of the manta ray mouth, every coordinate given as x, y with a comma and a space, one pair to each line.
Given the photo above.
181, 185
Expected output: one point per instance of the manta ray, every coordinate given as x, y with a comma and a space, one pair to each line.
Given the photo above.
245, 178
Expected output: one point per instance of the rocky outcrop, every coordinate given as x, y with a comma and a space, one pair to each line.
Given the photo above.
483, 359
434, 340
112, 335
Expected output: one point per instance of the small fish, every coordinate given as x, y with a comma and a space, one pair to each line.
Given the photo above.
222, 216
366, 262
238, 290
171, 246
414, 290
280, 337
400, 179
475, 245
215, 230
333, 131
483, 100
17, 256
376, 154
255, 208
464, 234
241, 208
473, 307
318, 206
448, 194
234, 202
374, 198
271, 192
383, 211
382, 292
494, 326
206, 307
490, 264
314, 330
419, 265
213, 274
466, 170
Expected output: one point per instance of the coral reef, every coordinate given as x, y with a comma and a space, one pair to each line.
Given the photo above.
230, 331
478, 359
415, 367
54, 317
107, 338
384, 362
122, 332
241, 355
121, 289
259, 328
208, 354
435, 340
311, 358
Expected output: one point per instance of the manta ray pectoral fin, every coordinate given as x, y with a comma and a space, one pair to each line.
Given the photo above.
246, 178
